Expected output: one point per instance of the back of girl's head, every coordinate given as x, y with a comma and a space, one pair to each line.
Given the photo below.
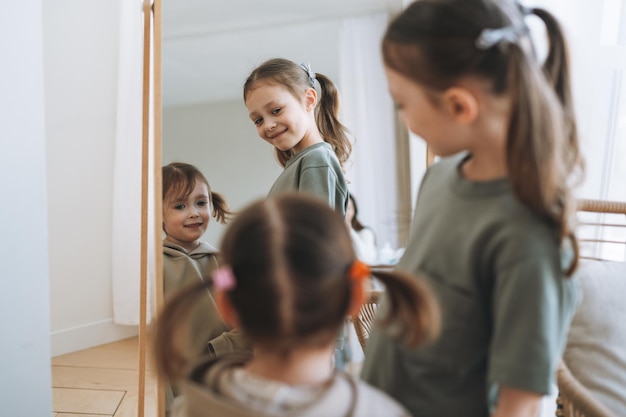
437, 42
295, 78
294, 280
179, 180
290, 256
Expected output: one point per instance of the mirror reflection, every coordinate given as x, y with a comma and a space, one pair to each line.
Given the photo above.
209, 50
208, 53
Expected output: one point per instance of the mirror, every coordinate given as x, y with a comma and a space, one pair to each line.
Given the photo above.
208, 50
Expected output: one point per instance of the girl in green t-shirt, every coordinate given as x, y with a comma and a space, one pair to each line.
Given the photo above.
493, 227
295, 110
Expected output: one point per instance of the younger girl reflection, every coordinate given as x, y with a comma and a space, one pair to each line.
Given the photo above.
188, 204
289, 279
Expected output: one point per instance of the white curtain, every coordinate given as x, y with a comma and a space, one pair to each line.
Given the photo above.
127, 171
367, 110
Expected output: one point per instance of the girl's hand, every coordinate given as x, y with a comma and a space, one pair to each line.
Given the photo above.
513, 402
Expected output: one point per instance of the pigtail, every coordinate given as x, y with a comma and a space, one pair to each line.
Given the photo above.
412, 306
333, 132
282, 156
542, 148
534, 128
556, 65
221, 212
169, 357
557, 70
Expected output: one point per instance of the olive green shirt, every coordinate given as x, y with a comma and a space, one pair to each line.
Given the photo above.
315, 170
496, 270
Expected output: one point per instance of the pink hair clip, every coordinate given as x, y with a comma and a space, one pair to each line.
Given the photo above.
223, 278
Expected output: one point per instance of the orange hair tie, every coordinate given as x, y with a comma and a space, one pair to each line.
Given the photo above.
359, 271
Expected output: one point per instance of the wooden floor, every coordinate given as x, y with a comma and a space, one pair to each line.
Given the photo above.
101, 382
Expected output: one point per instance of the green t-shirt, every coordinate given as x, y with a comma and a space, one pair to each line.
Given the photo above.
496, 270
315, 170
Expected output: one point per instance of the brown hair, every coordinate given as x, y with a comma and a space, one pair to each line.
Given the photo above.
291, 256
295, 79
434, 42
179, 180
355, 223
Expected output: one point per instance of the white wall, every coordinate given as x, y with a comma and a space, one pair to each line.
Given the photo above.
80, 60
221, 141
25, 347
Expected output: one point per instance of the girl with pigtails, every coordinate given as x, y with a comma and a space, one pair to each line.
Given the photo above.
492, 231
302, 124
288, 279
309, 140
188, 205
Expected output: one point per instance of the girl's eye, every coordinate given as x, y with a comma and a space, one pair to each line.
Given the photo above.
179, 206
276, 111
258, 121
202, 203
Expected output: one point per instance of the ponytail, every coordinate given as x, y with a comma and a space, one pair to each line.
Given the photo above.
221, 212
556, 66
169, 357
283, 156
412, 306
542, 147
556, 69
331, 129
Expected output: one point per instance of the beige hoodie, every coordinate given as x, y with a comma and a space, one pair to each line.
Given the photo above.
209, 333
203, 396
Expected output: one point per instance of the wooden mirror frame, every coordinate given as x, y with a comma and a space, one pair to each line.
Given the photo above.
151, 140
430, 156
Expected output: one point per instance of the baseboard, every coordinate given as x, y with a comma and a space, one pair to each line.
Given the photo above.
88, 335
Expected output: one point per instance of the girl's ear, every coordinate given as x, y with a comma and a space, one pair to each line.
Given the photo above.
226, 309
461, 104
310, 99
358, 298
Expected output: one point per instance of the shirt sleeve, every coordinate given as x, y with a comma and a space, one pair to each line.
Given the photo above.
321, 182
227, 342
533, 303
